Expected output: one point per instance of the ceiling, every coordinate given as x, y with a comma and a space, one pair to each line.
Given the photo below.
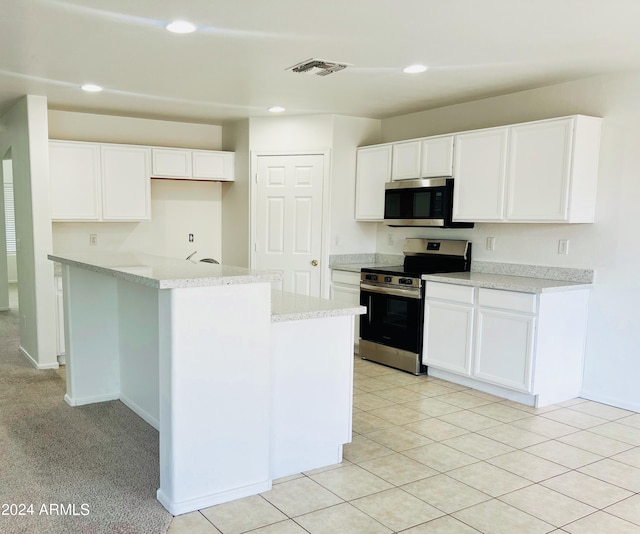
233, 67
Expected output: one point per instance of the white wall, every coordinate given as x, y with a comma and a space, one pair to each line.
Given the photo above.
611, 246
347, 235
178, 208
235, 197
23, 131
130, 130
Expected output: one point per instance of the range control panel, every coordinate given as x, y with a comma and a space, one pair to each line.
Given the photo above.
375, 278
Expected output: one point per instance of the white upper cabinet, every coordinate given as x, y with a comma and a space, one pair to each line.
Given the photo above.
553, 170
74, 174
185, 164
213, 165
94, 182
423, 158
373, 170
171, 163
542, 171
479, 172
406, 160
436, 156
126, 189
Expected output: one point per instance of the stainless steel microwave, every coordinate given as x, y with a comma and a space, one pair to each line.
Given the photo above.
427, 202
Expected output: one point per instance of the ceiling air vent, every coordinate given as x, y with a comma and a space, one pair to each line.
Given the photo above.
318, 66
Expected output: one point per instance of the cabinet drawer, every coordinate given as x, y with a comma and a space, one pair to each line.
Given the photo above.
509, 300
452, 292
345, 277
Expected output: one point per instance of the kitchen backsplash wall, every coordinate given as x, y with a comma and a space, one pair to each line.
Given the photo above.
178, 208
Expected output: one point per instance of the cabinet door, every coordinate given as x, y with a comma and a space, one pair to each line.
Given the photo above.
479, 175
539, 167
208, 165
74, 174
373, 170
170, 163
504, 348
437, 157
126, 183
448, 333
406, 160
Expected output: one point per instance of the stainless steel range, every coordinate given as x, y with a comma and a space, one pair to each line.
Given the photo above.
391, 330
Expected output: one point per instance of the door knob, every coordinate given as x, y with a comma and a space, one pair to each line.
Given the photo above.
314, 263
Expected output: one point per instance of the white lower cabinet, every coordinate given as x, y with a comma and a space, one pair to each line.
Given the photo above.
448, 333
504, 348
345, 287
524, 346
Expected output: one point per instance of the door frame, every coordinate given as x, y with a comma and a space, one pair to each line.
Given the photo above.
326, 209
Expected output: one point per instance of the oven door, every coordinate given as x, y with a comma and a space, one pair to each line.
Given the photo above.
394, 317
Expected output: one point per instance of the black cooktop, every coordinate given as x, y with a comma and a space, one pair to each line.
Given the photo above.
431, 260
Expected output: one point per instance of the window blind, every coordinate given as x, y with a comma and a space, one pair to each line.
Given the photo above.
9, 218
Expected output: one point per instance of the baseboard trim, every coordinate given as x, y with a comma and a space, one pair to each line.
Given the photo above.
135, 408
610, 401
499, 391
191, 505
90, 400
32, 361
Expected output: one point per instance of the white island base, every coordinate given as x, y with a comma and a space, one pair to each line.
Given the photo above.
240, 395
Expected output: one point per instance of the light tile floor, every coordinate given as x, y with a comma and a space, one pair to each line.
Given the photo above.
429, 456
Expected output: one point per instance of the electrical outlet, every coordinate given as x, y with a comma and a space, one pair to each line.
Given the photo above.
491, 243
390, 240
93, 240
563, 246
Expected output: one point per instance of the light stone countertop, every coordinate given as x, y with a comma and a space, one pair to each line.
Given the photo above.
356, 267
287, 306
506, 282
162, 272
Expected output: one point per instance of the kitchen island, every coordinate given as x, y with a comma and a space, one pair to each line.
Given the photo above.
243, 385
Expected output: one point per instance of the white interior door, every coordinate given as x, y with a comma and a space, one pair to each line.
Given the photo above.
288, 226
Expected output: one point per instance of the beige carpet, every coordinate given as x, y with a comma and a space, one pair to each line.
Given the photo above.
91, 469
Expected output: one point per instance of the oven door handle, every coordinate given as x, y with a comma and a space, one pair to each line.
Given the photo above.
385, 290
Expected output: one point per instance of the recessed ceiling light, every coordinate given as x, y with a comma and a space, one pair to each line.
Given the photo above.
181, 26
91, 88
414, 69
276, 109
